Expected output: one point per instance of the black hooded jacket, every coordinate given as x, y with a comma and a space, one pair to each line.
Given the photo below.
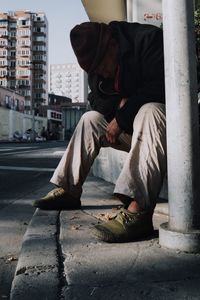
141, 65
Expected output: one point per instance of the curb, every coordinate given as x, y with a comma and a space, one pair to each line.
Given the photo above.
37, 272
162, 209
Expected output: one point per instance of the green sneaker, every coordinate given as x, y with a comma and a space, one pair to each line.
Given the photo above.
58, 199
125, 227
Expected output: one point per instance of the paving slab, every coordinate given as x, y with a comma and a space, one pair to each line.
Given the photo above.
137, 270
61, 259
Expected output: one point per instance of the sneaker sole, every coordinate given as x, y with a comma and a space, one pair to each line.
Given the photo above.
110, 238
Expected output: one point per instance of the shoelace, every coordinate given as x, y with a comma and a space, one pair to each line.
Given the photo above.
58, 192
123, 217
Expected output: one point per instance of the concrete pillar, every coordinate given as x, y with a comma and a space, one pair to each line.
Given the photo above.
129, 11
182, 231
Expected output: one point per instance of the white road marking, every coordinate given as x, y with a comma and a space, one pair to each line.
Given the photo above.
17, 152
26, 169
6, 149
33, 151
58, 152
16, 148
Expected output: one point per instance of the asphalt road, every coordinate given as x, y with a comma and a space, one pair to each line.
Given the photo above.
25, 168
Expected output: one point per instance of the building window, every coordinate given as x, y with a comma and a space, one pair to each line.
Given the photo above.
39, 48
38, 57
23, 62
12, 33
23, 72
12, 43
24, 22
23, 82
24, 42
3, 72
39, 29
27, 103
39, 66
3, 23
39, 39
3, 82
25, 93
3, 52
3, 42
3, 62
24, 32
38, 86
12, 73
12, 64
12, 83
3, 32
13, 24
24, 52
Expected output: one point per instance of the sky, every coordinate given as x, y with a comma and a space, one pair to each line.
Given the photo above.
62, 16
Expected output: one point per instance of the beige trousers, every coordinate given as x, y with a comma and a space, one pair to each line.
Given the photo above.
144, 169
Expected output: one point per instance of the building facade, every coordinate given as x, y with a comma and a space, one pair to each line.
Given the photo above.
24, 56
11, 100
69, 80
12, 117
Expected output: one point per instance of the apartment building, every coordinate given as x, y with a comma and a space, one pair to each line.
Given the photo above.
69, 80
24, 56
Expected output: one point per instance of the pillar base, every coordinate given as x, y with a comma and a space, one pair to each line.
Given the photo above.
187, 242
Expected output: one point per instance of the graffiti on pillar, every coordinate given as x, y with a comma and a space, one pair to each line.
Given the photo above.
152, 17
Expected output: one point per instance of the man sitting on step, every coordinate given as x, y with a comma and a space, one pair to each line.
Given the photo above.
125, 66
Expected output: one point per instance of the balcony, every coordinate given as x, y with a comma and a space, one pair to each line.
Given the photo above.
23, 23
3, 63
39, 48
3, 75
24, 43
3, 24
3, 53
3, 43
24, 83
40, 30
13, 25
23, 35
3, 33
39, 19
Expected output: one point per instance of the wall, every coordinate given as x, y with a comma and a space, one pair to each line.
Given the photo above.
11, 121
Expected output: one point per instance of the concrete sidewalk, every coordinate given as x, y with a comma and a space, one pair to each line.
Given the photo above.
60, 259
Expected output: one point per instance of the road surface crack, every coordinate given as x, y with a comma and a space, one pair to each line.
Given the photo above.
61, 259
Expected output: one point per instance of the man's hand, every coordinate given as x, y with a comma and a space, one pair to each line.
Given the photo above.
113, 131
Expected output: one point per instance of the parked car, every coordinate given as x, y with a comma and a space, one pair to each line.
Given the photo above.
17, 136
32, 135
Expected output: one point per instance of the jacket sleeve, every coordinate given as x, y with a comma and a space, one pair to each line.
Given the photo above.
104, 103
150, 81
151, 91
